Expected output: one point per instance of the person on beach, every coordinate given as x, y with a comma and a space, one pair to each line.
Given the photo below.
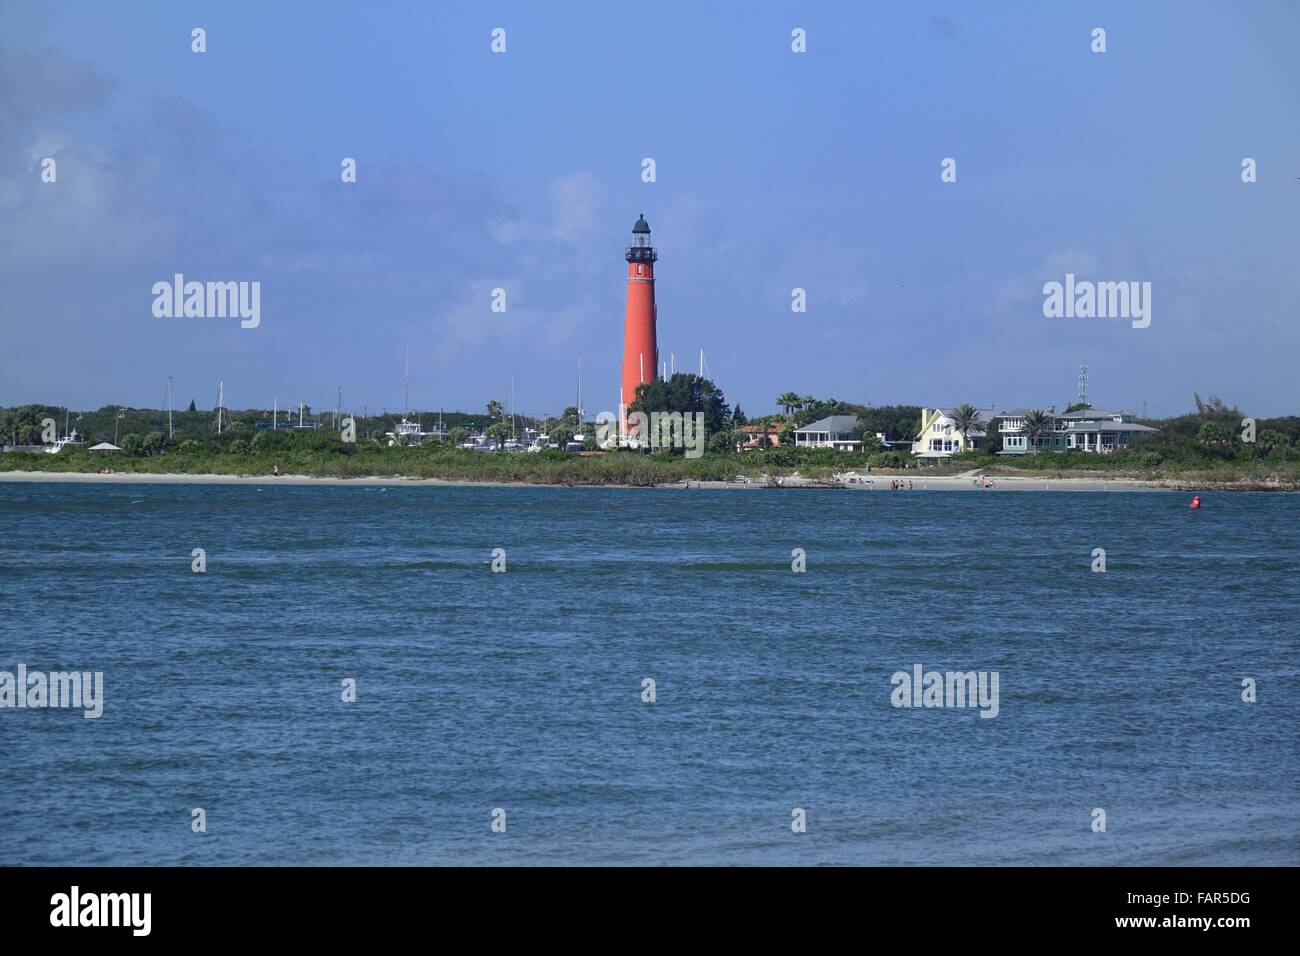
275, 470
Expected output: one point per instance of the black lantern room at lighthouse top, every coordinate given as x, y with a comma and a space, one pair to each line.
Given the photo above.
641, 250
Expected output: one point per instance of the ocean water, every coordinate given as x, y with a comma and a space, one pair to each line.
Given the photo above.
523, 690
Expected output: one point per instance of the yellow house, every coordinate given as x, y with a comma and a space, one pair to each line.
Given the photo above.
939, 437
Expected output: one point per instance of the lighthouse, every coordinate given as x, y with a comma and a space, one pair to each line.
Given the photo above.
640, 344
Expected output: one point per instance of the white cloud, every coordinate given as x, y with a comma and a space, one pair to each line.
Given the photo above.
576, 200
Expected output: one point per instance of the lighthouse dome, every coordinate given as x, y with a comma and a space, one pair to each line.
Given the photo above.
641, 225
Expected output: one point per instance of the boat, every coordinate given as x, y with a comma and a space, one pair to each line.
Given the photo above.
68, 439
407, 432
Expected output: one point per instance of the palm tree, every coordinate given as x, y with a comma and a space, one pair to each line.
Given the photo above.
789, 401
1037, 424
965, 418
495, 410
560, 436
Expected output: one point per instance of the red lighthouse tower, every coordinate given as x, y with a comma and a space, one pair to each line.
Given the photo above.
640, 344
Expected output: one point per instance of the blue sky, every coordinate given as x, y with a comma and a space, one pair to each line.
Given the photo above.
775, 170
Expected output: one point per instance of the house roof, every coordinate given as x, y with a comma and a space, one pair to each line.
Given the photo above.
984, 413
833, 423
1091, 414
1108, 426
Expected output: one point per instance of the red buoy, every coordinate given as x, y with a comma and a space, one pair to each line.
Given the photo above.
1196, 501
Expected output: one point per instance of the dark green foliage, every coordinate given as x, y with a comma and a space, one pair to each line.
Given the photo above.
688, 393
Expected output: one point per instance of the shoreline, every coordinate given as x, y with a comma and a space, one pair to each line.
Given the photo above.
879, 482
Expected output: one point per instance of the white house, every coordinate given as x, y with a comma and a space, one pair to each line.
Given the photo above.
834, 431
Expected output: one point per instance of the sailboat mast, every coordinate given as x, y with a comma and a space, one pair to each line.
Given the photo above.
171, 431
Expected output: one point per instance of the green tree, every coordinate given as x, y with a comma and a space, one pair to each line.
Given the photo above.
495, 410
560, 435
687, 393
498, 432
1037, 424
1215, 434
192, 408
788, 402
458, 435
723, 442
965, 419
863, 433
270, 438
1270, 440
22, 425
992, 436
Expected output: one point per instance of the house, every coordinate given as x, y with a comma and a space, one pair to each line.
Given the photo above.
1087, 429
834, 431
762, 435
1011, 427
939, 437
1096, 431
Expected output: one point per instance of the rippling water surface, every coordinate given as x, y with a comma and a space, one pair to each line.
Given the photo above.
523, 690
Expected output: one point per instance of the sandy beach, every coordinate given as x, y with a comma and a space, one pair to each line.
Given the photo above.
873, 483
